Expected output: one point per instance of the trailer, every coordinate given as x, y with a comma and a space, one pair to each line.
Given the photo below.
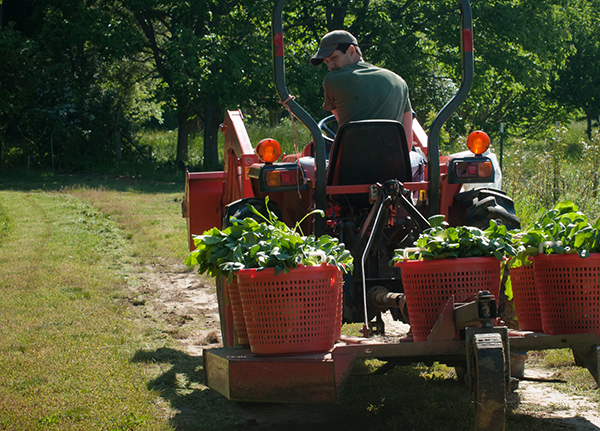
483, 356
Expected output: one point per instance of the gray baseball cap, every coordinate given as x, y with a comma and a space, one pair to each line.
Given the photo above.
330, 42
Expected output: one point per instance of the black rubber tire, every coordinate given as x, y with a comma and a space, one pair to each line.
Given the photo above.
489, 382
239, 209
477, 207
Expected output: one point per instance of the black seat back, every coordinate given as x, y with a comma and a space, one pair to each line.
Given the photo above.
369, 152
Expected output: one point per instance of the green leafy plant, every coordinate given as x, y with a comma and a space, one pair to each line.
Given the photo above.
444, 242
562, 230
248, 244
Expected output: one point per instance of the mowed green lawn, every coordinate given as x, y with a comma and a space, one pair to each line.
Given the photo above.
68, 335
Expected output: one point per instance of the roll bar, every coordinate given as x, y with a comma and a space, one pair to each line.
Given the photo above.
433, 140
434, 130
300, 113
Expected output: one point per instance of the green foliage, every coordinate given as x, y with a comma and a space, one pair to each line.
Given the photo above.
444, 242
564, 229
76, 90
521, 44
248, 244
161, 145
574, 84
210, 56
84, 77
64, 265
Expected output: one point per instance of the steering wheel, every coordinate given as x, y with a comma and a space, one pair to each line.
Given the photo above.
324, 126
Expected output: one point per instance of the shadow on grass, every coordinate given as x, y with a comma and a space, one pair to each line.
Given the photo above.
402, 399
181, 384
407, 398
197, 407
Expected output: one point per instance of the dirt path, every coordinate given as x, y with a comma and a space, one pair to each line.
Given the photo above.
537, 396
187, 304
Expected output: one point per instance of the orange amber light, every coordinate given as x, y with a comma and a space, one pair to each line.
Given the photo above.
268, 150
478, 142
486, 170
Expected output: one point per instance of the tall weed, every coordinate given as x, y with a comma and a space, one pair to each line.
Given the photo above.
537, 175
4, 223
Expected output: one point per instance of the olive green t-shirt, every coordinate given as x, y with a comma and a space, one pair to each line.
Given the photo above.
362, 91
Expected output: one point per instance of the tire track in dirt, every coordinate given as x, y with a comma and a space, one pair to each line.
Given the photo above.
185, 302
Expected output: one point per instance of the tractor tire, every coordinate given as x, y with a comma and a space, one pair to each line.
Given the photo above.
477, 207
239, 210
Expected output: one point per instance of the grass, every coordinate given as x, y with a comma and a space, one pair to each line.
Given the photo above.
76, 354
68, 336
565, 166
561, 361
406, 398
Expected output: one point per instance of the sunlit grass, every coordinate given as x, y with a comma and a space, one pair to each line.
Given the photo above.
66, 339
4, 223
74, 358
151, 222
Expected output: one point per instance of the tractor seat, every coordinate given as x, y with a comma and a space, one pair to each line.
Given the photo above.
368, 152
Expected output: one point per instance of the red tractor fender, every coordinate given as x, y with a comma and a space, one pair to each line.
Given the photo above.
207, 193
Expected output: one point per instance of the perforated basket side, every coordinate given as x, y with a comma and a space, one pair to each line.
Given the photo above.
238, 313
428, 285
525, 294
297, 312
569, 292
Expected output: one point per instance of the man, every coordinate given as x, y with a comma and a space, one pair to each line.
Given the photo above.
356, 90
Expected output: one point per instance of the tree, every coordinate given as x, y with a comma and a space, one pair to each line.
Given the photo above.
519, 47
204, 53
577, 85
72, 93
420, 40
81, 74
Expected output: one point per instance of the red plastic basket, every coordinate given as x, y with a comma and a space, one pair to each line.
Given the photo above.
428, 285
569, 291
238, 313
526, 299
297, 312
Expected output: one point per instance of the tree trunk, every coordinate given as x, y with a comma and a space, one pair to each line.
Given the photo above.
183, 138
274, 117
336, 14
589, 125
118, 146
212, 121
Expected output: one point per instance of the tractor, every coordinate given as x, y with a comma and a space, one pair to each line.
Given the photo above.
360, 175
375, 201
